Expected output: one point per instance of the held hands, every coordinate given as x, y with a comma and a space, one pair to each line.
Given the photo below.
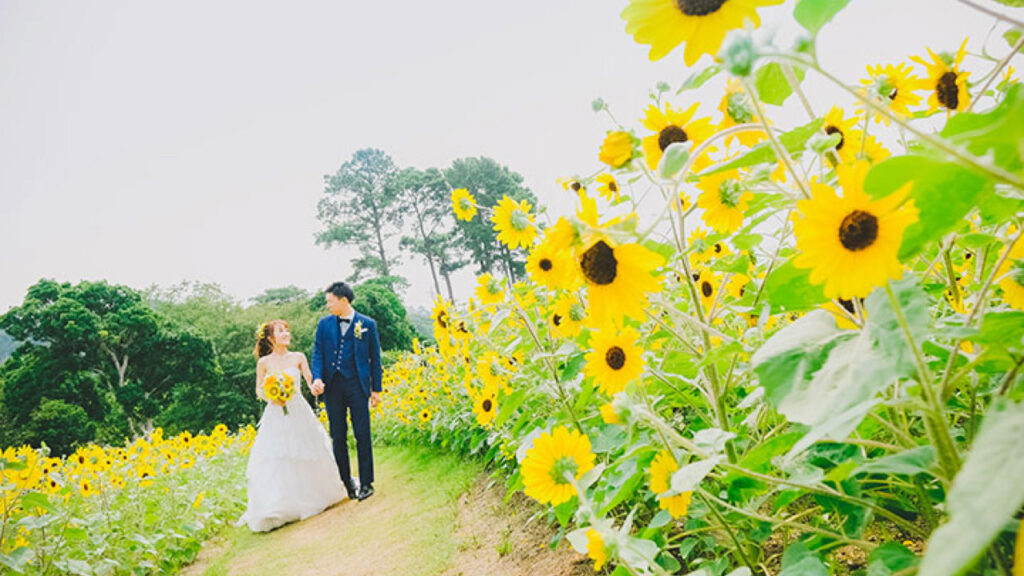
374, 399
317, 388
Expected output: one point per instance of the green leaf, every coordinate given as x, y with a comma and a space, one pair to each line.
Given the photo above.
36, 500
998, 132
907, 463
816, 374
985, 494
1012, 36
1011, 3
698, 79
573, 367
628, 488
884, 326
509, 405
939, 212
793, 141
813, 14
890, 558
789, 289
674, 158
772, 86
797, 560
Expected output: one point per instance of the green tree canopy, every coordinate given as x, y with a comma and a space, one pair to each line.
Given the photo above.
488, 181
358, 209
377, 300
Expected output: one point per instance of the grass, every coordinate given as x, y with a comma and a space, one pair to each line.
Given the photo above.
408, 527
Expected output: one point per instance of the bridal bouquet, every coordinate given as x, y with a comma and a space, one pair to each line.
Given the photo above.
279, 387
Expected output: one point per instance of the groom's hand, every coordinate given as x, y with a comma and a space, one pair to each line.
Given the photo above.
374, 399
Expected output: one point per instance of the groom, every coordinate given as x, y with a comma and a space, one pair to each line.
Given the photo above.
346, 355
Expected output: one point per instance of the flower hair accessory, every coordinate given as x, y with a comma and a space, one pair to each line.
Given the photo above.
261, 332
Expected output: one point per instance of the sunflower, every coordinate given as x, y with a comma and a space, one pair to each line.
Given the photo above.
736, 109
490, 370
617, 149
708, 285
615, 360
609, 188
425, 416
552, 456
662, 467
608, 414
850, 242
514, 223
723, 201
670, 126
596, 550
550, 263
442, 318
704, 250
702, 24
488, 290
849, 144
618, 277
1012, 273
947, 83
570, 184
485, 407
463, 204
567, 316
874, 152
892, 87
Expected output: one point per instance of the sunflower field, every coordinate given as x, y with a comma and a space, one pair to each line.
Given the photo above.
144, 508
761, 347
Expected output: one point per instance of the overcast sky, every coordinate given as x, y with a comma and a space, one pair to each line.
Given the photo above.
148, 142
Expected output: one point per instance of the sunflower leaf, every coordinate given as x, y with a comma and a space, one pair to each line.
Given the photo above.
939, 212
814, 14
998, 132
1011, 3
981, 501
794, 141
771, 83
789, 289
698, 79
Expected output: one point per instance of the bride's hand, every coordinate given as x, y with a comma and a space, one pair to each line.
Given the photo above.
277, 402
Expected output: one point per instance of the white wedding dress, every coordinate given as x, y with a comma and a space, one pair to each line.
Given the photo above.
291, 472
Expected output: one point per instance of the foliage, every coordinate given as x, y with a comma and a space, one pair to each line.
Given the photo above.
375, 299
814, 381
144, 508
488, 181
93, 345
358, 209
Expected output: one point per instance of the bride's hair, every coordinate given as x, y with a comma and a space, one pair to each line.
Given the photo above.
265, 337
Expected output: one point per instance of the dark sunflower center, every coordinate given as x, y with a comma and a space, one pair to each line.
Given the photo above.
718, 247
613, 186
556, 319
699, 7
830, 130
858, 231
671, 134
615, 357
442, 320
487, 405
706, 289
895, 92
947, 90
599, 264
545, 264
575, 186
846, 304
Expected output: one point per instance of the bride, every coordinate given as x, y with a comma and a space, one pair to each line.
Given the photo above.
291, 471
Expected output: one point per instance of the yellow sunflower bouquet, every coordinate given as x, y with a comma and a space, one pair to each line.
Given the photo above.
279, 387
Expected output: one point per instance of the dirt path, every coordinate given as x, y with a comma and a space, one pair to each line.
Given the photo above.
433, 514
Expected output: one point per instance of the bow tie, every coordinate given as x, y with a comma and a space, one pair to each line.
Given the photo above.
344, 320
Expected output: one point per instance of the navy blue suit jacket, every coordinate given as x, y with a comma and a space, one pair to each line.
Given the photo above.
327, 349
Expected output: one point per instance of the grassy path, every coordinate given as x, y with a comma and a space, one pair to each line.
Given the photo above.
405, 528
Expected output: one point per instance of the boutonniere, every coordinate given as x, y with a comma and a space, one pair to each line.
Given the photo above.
358, 330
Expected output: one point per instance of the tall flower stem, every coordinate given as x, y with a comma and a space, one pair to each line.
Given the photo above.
780, 150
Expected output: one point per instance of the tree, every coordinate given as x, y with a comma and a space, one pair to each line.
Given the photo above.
62, 426
425, 196
281, 295
377, 300
488, 181
94, 344
358, 209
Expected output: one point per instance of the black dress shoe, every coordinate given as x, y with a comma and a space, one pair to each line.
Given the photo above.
350, 488
365, 492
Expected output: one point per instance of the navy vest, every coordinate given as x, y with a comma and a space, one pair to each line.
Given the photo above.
347, 356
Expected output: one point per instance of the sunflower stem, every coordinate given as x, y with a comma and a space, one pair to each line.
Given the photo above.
993, 13
995, 73
728, 529
935, 419
780, 151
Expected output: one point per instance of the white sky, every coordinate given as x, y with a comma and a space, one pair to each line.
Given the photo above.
153, 142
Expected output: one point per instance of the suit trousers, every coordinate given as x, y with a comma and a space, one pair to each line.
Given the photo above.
344, 397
